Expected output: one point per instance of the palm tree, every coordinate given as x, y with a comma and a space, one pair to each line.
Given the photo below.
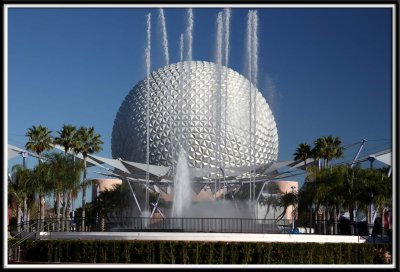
43, 184
303, 152
117, 203
114, 204
20, 187
65, 175
335, 150
271, 200
39, 140
347, 188
377, 190
71, 184
286, 200
67, 138
338, 187
328, 192
88, 142
56, 172
328, 148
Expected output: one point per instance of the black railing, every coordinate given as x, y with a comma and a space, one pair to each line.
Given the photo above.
48, 224
237, 225
227, 225
232, 225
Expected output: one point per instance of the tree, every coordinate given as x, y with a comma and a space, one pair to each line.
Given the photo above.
303, 152
39, 140
68, 139
347, 188
285, 201
72, 185
324, 189
271, 200
114, 206
20, 186
328, 148
88, 142
377, 190
43, 185
65, 175
331, 188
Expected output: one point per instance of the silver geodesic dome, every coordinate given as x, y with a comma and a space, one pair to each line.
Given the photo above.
187, 110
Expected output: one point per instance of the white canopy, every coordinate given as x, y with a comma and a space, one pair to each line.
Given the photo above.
128, 168
112, 162
90, 162
153, 169
300, 164
384, 157
14, 151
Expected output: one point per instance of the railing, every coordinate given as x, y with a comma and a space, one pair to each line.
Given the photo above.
28, 230
236, 225
48, 224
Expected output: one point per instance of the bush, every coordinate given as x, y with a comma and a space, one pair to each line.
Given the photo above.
199, 252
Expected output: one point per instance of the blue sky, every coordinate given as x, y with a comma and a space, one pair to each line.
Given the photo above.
323, 71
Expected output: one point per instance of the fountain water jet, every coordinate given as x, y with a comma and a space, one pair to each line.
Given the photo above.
252, 72
182, 187
164, 35
181, 79
146, 207
189, 32
179, 142
222, 53
254, 58
218, 87
227, 16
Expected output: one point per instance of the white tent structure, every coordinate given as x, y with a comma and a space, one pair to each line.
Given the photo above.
136, 171
14, 152
383, 156
161, 174
161, 177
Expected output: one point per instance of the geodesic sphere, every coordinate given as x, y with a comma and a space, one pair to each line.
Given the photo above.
205, 112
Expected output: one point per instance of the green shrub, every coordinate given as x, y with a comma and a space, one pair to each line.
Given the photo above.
200, 252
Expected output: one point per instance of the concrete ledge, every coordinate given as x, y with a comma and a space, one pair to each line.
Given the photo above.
196, 236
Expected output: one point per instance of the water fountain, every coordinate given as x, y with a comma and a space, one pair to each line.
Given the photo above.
182, 196
182, 187
189, 33
164, 35
252, 74
146, 211
179, 143
222, 56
